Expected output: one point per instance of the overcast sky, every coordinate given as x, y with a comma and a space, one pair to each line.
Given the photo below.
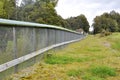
90, 8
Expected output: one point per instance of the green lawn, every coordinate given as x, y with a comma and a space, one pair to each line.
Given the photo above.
94, 58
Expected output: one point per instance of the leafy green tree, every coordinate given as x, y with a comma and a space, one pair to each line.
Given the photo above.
79, 22
7, 8
2, 10
115, 16
104, 22
84, 23
40, 11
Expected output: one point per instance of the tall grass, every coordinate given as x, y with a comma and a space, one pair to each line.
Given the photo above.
74, 72
116, 45
90, 77
103, 71
115, 41
64, 59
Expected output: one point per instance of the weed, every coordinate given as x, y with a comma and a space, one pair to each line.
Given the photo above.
116, 45
59, 60
74, 72
103, 71
54, 59
115, 40
89, 77
94, 49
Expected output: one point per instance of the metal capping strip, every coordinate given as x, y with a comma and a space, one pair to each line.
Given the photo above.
14, 62
30, 24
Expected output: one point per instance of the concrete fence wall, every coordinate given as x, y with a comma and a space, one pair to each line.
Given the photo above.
22, 43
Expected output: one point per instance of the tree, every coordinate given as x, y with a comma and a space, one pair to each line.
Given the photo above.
84, 23
79, 22
7, 8
105, 22
40, 11
115, 16
2, 10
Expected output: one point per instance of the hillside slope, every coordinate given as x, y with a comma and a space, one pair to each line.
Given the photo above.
94, 58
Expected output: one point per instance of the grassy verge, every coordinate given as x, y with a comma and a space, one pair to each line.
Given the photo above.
93, 58
103, 71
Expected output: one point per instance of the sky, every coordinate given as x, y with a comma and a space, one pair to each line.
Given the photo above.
19, 2
90, 8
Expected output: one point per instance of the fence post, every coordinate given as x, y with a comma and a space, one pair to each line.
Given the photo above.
15, 47
34, 42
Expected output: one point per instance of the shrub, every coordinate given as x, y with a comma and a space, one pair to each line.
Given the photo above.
105, 33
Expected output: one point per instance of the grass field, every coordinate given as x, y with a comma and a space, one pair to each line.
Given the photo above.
94, 58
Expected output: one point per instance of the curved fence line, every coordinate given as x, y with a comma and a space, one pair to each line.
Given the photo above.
30, 24
31, 55
22, 43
